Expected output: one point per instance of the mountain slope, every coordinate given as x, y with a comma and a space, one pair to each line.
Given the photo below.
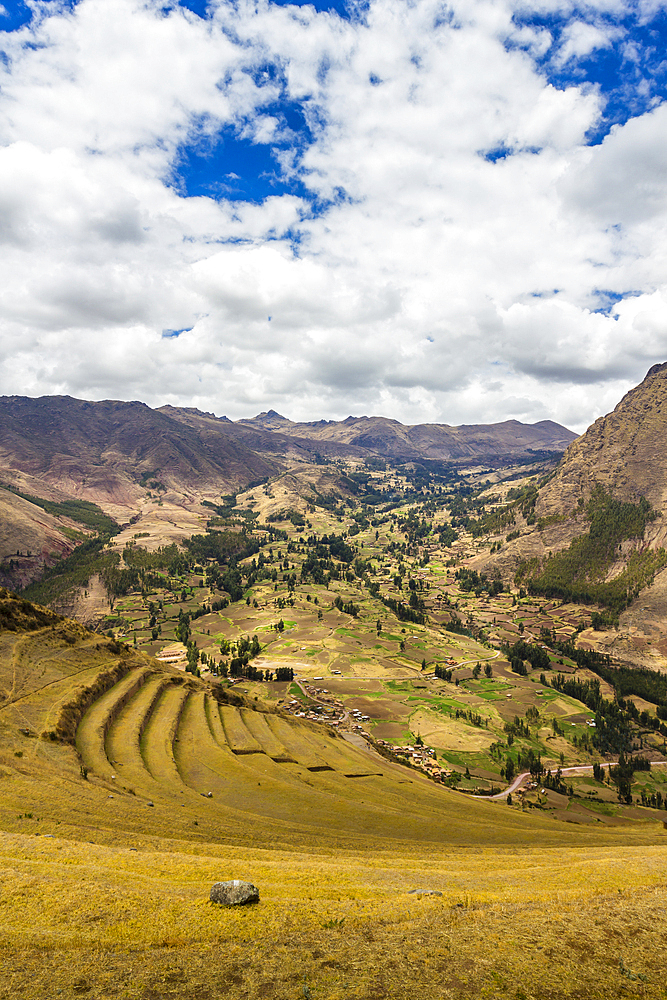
30, 539
101, 451
584, 534
625, 451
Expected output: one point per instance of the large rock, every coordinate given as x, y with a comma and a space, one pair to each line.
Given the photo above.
234, 893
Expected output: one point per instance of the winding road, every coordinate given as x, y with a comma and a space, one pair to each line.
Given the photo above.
578, 769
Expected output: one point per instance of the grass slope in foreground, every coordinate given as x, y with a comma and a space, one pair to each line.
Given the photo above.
106, 877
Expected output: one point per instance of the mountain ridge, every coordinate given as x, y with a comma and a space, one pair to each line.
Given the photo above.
388, 437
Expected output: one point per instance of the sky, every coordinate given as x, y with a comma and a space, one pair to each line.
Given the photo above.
436, 212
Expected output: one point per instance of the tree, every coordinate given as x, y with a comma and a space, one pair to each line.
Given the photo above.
621, 775
488, 670
476, 670
509, 769
423, 664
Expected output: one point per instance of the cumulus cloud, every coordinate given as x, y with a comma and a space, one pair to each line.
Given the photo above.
447, 244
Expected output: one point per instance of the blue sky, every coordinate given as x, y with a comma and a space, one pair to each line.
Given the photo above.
433, 211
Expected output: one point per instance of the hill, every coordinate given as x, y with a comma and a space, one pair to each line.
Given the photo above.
31, 539
127, 788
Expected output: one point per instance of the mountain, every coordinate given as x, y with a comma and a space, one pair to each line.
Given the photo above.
107, 451
381, 436
626, 451
255, 435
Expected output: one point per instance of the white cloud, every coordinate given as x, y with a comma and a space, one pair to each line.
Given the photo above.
438, 284
581, 38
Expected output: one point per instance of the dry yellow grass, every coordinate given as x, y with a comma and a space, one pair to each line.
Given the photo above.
111, 922
451, 734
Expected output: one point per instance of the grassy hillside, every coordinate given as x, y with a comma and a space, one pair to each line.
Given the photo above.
127, 788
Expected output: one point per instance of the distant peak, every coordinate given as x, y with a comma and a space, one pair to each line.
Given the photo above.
270, 415
656, 369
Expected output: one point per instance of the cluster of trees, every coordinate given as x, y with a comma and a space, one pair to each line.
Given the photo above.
297, 519
403, 612
319, 565
601, 620
183, 627
472, 717
527, 760
347, 607
239, 669
470, 579
526, 652
414, 527
443, 672
585, 691
653, 799
640, 681
222, 546
555, 782
623, 772
612, 732
626, 681
516, 728
457, 626
447, 535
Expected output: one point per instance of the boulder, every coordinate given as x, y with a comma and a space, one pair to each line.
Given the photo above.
234, 893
